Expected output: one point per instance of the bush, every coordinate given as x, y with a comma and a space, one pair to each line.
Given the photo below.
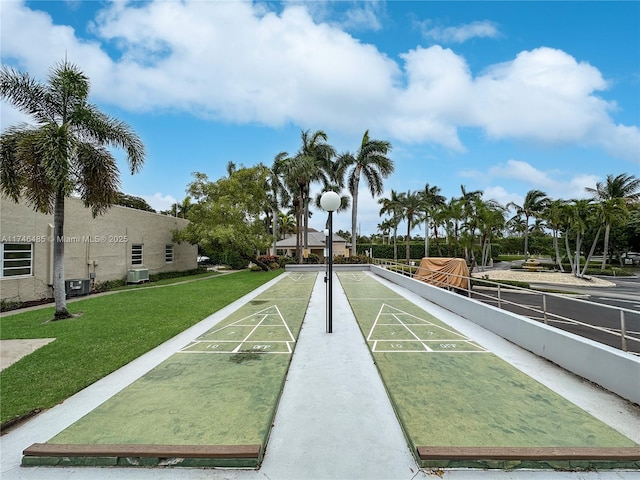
286, 261
357, 259
312, 258
107, 285
164, 275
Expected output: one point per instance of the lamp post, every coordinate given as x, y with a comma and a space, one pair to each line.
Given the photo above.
330, 201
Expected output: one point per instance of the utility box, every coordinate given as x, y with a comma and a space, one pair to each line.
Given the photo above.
77, 287
138, 275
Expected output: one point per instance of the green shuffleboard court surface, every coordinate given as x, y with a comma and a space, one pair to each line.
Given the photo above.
447, 390
220, 390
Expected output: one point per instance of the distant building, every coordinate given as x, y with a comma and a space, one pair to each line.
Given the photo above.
317, 245
104, 248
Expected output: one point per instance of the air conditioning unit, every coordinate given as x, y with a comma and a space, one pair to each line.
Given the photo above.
77, 287
138, 275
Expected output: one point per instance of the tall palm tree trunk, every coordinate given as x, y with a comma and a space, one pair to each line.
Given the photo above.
556, 249
59, 293
426, 236
526, 238
395, 243
408, 242
593, 248
605, 252
354, 212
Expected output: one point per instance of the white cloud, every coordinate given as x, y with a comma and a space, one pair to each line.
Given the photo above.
242, 63
501, 195
159, 201
461, 33
363, 17
555, 183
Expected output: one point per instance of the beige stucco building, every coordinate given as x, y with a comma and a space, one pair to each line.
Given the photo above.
104, 248
317, 245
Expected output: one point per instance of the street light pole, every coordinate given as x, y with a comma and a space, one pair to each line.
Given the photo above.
330, 201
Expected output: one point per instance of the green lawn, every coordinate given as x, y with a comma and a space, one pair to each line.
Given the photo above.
109, 332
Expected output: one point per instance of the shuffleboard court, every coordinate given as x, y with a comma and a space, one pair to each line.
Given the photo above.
220, 390
449, 391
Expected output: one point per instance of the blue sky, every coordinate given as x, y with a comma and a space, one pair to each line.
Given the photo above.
502, 97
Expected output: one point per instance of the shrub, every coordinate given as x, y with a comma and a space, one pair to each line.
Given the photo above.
269, 259
312, 258
109, 285
286, 261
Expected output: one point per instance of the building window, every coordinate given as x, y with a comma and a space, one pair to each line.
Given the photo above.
17, 259
136, 254
168, 253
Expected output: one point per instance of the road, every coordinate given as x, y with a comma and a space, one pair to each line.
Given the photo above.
590, 307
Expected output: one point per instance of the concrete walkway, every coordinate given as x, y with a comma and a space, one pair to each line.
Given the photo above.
334, 419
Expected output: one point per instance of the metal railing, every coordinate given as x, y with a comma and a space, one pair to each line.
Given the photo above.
494, 292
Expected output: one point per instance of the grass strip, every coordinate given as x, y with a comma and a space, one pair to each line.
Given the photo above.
108, 332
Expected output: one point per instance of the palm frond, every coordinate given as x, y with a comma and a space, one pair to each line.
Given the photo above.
98, 177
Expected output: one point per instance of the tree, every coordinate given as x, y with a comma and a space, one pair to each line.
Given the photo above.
468, 202
432, 202
555, 218
299, 172
278, 196
534, 204
392, 206
226, 215
455, 215
491, 222
132, 201
372, 162
314, 154
615, 194
411, 203
64, 153
578, 214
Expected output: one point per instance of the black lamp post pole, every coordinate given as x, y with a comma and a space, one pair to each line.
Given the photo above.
330, 277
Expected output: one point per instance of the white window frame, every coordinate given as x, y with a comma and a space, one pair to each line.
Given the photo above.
168, 253
137, 254
3, 260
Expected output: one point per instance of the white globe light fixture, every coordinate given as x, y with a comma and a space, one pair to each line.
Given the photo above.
330, 202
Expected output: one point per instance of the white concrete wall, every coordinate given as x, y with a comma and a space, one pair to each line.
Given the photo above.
100, 245
613, 369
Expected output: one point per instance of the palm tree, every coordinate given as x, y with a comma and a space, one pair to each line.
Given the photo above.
578, 214
469, 201
535, 201
432, 202
555, 218
411, 203
385, 227
314, 157
616, 193
287, 224
392, 206
372, 162
455, 215
491, 222
65, 152
277, 195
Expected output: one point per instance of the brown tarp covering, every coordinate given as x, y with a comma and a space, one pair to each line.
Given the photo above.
443, 272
